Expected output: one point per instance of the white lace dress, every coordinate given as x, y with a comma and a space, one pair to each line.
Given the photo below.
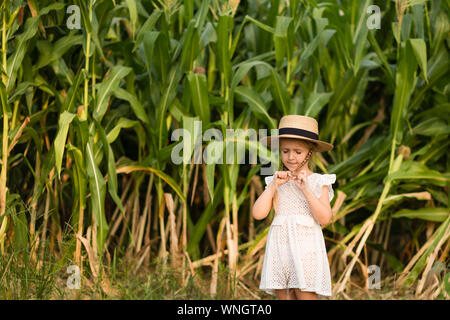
295, 254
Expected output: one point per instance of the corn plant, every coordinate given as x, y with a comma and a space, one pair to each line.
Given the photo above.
89, 115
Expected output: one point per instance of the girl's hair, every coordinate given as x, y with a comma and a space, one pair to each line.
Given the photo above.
311, 162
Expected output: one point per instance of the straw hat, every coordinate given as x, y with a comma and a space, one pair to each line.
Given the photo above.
299, 127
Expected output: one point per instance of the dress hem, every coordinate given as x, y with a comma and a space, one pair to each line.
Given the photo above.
271, 290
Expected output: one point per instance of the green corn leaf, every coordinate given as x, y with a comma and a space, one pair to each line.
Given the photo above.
438, 70
188, 6
283, 39
280, 93
404, 81
308, 52
112, 175
418, 14
428, 214
165, 101
201, 14
242, 70
432, 127
210, 170
147, 27
15, 60
260, 24
97, 188
199, 95
170, 181
223, 50
80, 178
316, 101
345, 89
191, 47
420, 51
191, 137
412, 170
63, 124
12, 16
440, 26
72, 94
123, 123
48, 165
256, 103
20, 223
161, 56
208, 35
53, 6
132, 8
381, 56
52, 52
136, 106
149, 39
20, 90
361, 43
106, 88
406, 26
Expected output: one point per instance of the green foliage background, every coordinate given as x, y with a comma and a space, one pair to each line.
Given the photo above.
87, 117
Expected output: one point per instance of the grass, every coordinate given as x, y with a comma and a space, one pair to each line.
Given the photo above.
23, 278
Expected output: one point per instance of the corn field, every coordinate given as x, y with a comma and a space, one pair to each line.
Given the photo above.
92, 91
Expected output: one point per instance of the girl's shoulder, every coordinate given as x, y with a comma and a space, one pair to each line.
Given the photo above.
321, 180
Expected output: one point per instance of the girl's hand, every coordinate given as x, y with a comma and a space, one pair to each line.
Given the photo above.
281, 177
301, 181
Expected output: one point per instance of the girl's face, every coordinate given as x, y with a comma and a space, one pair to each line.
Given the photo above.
293, 152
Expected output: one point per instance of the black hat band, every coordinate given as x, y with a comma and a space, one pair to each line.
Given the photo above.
298, 132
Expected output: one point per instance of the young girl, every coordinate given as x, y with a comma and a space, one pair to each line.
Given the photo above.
295, 262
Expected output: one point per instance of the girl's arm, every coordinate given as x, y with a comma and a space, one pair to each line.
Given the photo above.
320, 207
263, 204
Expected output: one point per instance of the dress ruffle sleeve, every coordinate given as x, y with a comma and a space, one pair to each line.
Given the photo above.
268, 180
325, 180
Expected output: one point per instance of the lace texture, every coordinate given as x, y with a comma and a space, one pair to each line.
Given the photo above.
295, 255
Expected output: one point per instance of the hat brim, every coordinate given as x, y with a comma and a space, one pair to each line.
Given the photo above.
320, 146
